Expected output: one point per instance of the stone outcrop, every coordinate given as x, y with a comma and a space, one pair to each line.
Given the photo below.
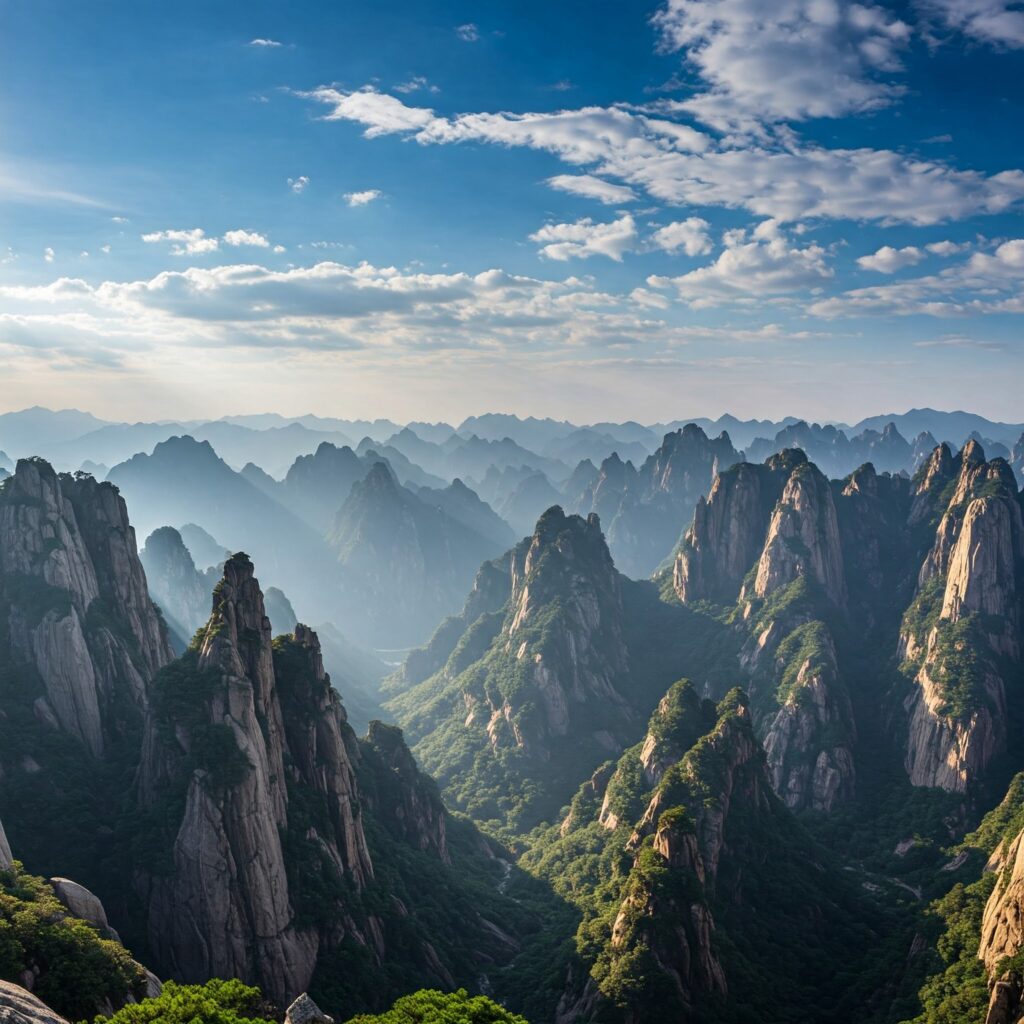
963, 632
645, 509
19, 1006
718, 781
6, 859
803, 538
225, 910
809, 742
175, 584
81, 903
75, 602
764, 529
399, 795
583, 661
305, 1011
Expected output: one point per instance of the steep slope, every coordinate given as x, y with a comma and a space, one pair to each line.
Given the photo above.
175, 584
960, 640
768, 539
279, 843
695, 883
317, 485
403, 565
460, 503
185, 481
645, 510
551, 668
78, 630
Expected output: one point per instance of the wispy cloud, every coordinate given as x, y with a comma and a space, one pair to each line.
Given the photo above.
468, 33
265, 43
591, 187
418, 83
362, 198
780, 177
298, 184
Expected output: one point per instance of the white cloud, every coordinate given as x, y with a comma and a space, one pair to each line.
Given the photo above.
298, 184
984, 283
690, 235
48, 254
105, 248
589, 187
584, 238
888, 260
279, 249
781, 178
187, 242
947, 248
334, 307
368, 195
241, 237
271, 43
752, 266
120, 220
468, 33
418, 83
997, 22
785, 59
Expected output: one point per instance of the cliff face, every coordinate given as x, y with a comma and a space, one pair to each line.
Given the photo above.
644, 509
270, 854
703, 795
533, 683
960, 640
769, 538
565, 568
5, 850
75, 605
177, 586
224, 909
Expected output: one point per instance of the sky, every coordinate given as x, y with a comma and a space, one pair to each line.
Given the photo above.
588, 210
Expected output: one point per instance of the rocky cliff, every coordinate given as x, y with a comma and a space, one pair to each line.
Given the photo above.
534, 679
645, 509
175, 583
668, 854
218, 730
960, 639
5, 850
76, 611
768, 538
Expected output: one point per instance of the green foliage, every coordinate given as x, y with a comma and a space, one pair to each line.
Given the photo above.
79, 970
433, 1007
216, 1002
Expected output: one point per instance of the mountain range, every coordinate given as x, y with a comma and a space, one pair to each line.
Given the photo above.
731, 733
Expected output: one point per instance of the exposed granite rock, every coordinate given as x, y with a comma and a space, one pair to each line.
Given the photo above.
83, 904
803, 538
19, 1006
225, 909
407, 801
965, 628
75, 597
645, 509
5, 850
177, 586
809, 742
1002, 925
305, 1011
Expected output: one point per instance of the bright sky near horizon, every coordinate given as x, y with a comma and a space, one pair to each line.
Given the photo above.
589, 210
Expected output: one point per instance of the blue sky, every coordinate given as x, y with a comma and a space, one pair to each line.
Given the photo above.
590, 210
